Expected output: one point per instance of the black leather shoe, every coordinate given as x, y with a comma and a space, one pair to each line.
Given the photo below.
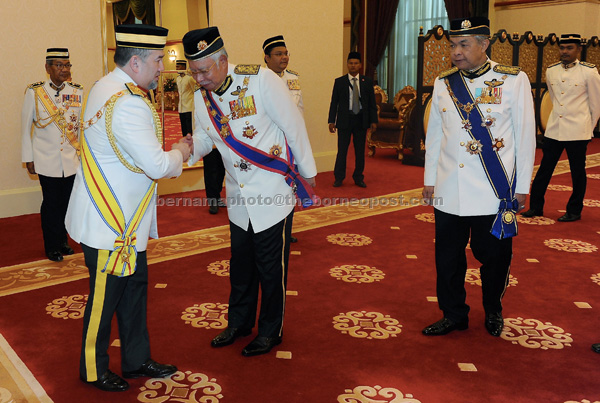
596, 348
110, 382
337, 183
66, 250
260, 345
494, 323
151, 369
532, 213
568, 217
444, 326
228, 336
55, 256
361, 184
293, 239
213, 209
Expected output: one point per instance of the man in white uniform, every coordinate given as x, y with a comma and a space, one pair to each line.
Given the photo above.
277, 58
112, 210
186, 86
479, 157
51, 111
574, 88
248, 114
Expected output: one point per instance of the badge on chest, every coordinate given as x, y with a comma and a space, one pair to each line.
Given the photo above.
489, 95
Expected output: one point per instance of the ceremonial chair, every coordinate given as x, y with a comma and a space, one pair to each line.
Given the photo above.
392, 120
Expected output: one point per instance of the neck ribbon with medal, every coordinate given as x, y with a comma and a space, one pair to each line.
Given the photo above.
263, 160
486, 147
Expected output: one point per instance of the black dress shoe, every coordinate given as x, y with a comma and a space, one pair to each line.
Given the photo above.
151, 369
213, 209
293, 239
444, 326
568, 217
361, 184
66, 250
337, 183
494, 323
260, 345
532, 213
228, 336
55, 256
596, 348
110, 382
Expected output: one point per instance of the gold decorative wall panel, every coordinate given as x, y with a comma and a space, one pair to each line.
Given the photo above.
436, 58
528, 55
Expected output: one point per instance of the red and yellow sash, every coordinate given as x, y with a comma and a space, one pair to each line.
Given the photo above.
56, 116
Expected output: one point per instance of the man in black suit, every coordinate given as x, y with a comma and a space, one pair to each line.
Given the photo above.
352, 111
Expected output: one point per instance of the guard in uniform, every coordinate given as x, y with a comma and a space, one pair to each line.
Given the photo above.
112, 210
50, 136
248, 114
574, 88
480, 149
277, 58
186, 86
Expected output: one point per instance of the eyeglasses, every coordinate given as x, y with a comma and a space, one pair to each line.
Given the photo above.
60, 66
280, 54
204, 71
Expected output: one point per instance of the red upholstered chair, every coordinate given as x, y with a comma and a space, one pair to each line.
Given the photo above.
392, 119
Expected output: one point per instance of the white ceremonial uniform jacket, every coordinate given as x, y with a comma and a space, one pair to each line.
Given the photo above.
575, 94
461, 185
292, 80
185, 86
49, 147
134, 131
256, 195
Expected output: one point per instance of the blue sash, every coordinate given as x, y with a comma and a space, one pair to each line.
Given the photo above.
505, 224
260, 158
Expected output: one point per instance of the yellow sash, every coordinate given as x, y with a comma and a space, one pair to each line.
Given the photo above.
122, 259
56, 116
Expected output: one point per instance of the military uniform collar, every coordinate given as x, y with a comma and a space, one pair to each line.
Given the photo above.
568, 66
56, 87
280, 74
478, 72
224, 86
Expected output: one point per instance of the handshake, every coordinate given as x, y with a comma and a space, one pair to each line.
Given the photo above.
185, 146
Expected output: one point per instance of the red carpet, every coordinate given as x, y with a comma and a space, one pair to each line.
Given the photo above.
353, 326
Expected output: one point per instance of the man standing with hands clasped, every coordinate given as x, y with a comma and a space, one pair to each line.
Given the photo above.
247, 113
574, 88
480, 149
352, 111
112, 210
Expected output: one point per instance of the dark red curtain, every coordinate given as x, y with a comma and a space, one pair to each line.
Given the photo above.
380, 19
457, 9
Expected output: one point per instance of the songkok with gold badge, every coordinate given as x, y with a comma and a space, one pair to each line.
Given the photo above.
141, 36
201, 43
273, 43
57, 53
569, 38
475, 26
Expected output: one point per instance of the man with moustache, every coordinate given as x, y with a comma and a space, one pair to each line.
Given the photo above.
112, 210
480, 149
52, 109
247, 113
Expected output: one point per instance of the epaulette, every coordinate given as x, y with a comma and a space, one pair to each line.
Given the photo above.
38, 84
293, 72
197, 87
135, 90
554, 64
75, 85
502, 69
448, 72
247, 69
586, 64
